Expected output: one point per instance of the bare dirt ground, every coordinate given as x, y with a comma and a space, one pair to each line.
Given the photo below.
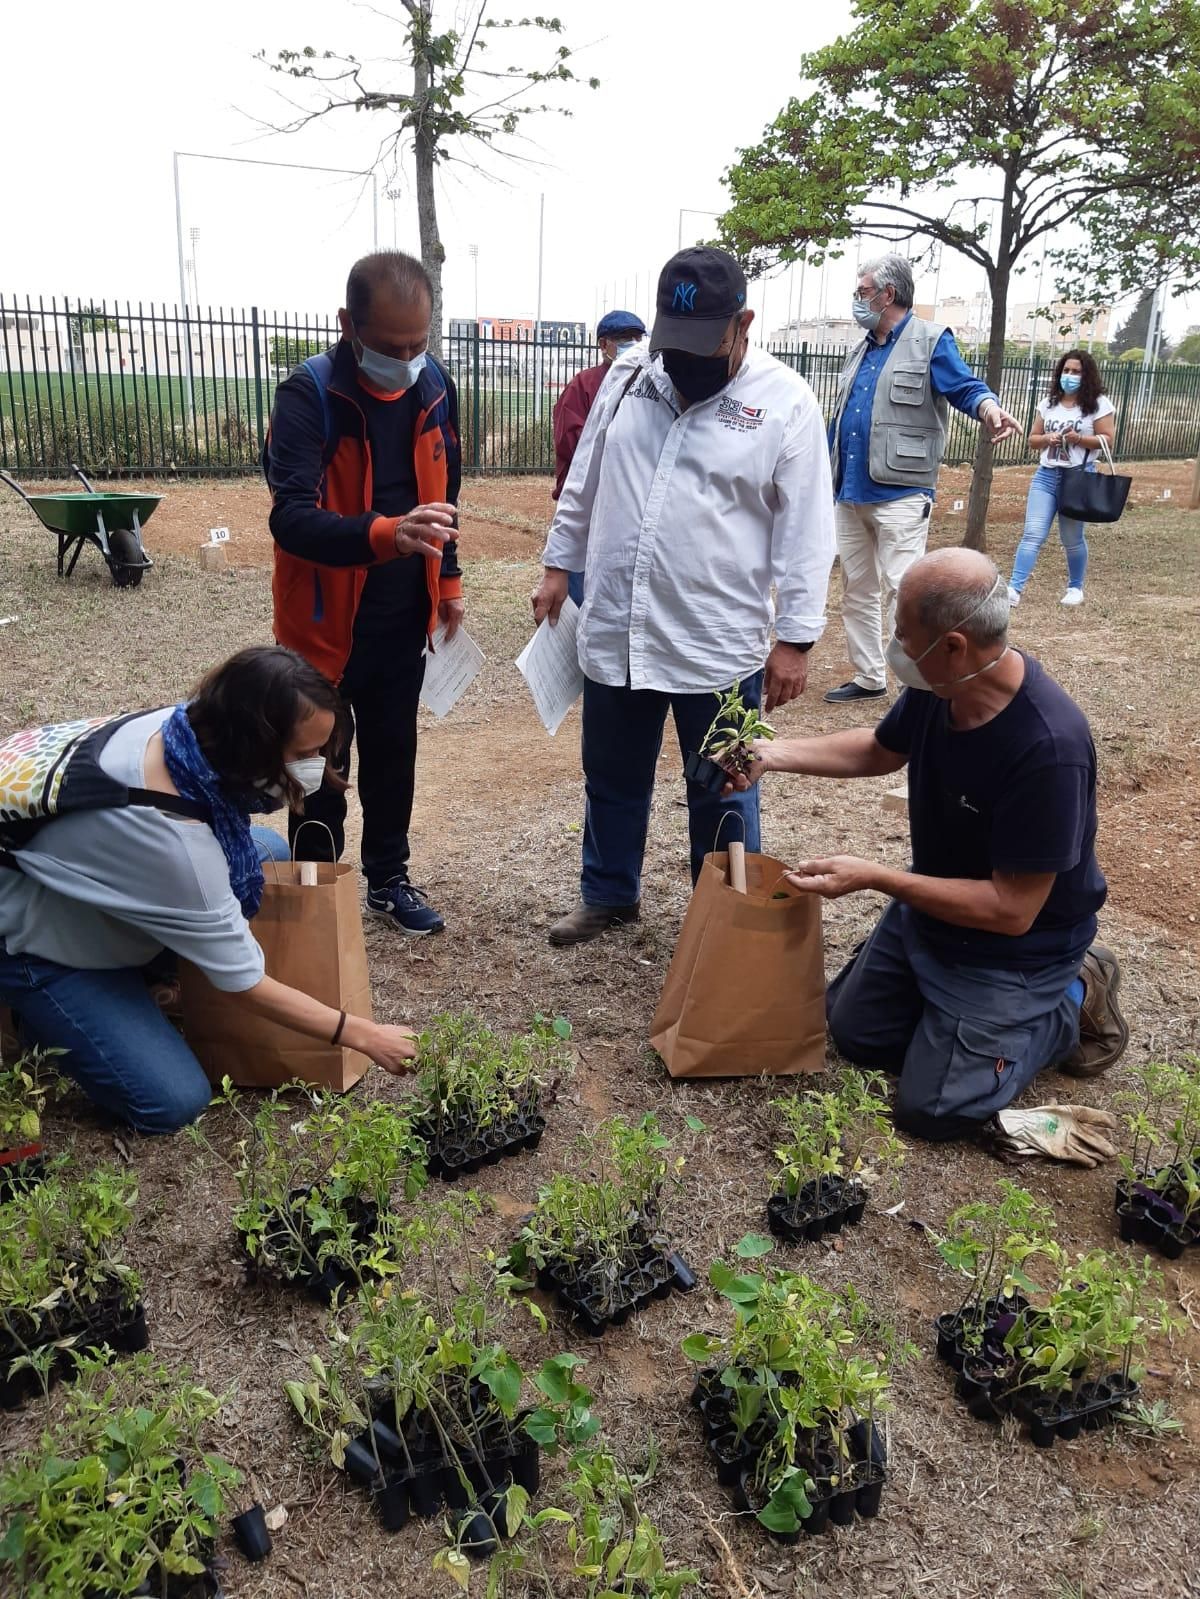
970, 1511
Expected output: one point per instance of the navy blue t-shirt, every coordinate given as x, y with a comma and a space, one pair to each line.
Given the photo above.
395, 593
1015, 795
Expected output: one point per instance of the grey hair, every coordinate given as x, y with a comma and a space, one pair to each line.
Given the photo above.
946, 608
892, 272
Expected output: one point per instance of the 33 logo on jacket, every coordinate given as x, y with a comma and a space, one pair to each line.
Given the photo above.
740, 418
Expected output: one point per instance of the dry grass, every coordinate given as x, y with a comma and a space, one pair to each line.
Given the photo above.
970, 1511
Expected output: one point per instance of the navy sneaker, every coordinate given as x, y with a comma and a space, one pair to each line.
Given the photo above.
405, 907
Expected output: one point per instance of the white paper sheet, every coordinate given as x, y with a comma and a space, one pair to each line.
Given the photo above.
549, 663
450, 669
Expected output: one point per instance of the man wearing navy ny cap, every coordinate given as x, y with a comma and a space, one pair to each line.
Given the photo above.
700, 483
616, 332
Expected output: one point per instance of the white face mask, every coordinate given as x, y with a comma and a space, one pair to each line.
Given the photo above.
310, 773
907, 668
387, 372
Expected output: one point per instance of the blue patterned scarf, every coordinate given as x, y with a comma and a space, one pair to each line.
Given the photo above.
196, 781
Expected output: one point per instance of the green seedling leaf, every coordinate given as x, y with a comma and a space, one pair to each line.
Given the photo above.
695, 1123
752, 1246
516, 1503
699, 1346
456, 1566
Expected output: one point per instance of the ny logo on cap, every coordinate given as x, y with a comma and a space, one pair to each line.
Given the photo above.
684, 298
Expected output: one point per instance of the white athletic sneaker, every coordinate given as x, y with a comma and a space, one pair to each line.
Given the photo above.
1014, 595
1072, 597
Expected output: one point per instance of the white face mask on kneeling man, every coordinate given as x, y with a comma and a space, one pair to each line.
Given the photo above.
908, 668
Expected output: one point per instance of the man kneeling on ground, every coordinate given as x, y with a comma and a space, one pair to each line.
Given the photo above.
983, 969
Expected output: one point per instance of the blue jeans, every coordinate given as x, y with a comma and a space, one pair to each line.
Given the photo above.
622, 738
575, 586
965, 1040
1040, 510
120, 1048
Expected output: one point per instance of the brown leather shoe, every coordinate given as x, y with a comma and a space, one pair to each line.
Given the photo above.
586, 922
1103, 1031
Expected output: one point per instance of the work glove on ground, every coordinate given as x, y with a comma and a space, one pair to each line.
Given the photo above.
1074, 1133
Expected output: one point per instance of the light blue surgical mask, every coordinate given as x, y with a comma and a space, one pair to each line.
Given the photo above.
1070, 382
864, 316
387, 372
625, 344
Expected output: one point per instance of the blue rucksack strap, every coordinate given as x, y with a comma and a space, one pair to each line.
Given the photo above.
320, 370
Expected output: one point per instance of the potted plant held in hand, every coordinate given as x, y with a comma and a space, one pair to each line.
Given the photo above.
727, 748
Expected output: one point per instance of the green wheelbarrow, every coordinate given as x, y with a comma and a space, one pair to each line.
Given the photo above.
112, 522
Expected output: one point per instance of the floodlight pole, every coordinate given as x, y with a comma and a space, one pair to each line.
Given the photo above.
187, 331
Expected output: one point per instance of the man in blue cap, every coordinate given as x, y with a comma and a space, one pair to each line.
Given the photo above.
616, 332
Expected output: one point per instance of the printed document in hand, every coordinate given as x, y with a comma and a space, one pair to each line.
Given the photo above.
549, 663
450, 669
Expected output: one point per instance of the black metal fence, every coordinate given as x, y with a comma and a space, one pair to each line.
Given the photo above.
127, 390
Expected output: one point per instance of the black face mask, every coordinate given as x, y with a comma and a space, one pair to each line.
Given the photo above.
697, 377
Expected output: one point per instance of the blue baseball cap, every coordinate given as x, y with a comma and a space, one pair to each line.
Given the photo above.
614, 322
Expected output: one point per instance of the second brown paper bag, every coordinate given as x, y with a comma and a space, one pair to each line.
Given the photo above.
312, 939
745, 990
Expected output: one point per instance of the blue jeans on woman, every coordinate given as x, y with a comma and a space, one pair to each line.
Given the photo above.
1040, 510
120, 1048
622, 737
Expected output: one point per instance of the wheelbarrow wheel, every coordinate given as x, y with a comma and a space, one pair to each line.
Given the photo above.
126, 559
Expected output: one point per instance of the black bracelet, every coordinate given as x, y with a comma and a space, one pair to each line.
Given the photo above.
803, 648
337, 1032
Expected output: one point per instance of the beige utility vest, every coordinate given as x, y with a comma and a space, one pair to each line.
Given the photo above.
908, 420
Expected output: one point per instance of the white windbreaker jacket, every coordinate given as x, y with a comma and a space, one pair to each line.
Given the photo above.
683, 523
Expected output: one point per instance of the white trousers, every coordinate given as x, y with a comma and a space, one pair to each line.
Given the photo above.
876, 544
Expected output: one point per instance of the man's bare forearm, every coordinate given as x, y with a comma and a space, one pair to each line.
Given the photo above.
854, 753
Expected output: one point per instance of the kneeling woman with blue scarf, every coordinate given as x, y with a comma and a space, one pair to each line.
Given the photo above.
98, 894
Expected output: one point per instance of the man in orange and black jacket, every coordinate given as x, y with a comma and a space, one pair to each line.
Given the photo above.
363, 464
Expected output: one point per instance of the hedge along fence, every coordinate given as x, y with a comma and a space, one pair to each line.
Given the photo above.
154, 392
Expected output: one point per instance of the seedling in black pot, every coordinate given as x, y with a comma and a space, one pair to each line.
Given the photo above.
1158, 1195
727, 748
831, 1138
792, 1401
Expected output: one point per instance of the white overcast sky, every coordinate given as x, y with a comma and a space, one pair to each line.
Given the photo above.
96, 99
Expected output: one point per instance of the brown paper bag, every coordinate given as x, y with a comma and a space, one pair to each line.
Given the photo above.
745, 990
312, 938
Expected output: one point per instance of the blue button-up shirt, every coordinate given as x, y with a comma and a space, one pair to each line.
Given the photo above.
949, 375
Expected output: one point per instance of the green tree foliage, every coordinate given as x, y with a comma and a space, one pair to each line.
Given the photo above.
1189, 349
461, 103
990, 127
1135, 330
286, 351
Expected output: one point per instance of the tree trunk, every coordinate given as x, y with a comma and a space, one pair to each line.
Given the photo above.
975, 537
432, 252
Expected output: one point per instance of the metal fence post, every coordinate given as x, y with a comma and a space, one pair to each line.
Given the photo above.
258, 389
475, 407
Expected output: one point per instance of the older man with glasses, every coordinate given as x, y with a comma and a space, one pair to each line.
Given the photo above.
983, 970
886, 441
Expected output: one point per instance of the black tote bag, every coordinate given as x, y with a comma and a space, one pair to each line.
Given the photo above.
1091, 496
